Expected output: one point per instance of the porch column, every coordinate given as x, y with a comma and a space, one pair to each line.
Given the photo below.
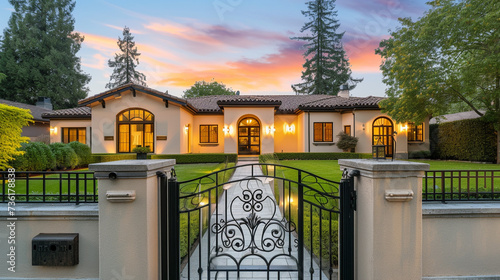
388, 219
128, 218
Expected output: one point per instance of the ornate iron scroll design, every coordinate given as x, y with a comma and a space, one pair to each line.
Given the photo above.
253, 233
322, 193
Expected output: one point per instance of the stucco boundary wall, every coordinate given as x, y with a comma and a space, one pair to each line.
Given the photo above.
461, 241
33, 219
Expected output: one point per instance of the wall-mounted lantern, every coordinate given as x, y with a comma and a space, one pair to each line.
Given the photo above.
53, 129
378, 150
270, 129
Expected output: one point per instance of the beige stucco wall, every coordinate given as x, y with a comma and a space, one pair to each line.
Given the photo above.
461, 239
186, 135
207, 120
336, 118
302, 133
167, 123
265, 115
47, 218
56, 135
286, 140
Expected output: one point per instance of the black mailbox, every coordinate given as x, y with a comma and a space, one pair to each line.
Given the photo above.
55, 249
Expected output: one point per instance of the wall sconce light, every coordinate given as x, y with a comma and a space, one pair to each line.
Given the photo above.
290, 128
228, 129
53, 129
403, 128
363, 125
270, 129
186, 127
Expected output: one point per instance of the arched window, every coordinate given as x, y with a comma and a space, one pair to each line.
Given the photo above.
135, 129
382, 134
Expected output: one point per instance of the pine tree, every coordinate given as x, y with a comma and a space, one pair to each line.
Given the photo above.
326, 66
124, 64
38, 54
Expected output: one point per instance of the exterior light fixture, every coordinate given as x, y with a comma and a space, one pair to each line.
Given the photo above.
186, 127
228, 130
378, 150
404, 128
270, 129
53, 129
290, 128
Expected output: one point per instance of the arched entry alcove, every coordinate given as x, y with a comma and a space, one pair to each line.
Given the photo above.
382, 134
249, 129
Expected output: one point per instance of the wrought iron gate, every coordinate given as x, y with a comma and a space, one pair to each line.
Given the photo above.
280, 221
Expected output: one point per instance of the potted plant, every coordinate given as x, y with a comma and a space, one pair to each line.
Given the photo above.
346, 142
142, 152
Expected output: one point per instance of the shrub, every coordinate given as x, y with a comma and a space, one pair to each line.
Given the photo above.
65, 156
12, 120
472, 140
346, 142
37, 157
141, 150
198, 158
82, 151
96, 158
315, 156
419, 154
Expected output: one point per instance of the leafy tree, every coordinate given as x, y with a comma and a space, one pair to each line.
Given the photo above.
450, 55
12, 120
202, 88
326, 66
38, 54
124, 64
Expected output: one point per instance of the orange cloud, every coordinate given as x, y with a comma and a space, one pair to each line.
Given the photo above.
100, 62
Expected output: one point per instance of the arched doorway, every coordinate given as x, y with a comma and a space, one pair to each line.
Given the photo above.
249, 136
382, 134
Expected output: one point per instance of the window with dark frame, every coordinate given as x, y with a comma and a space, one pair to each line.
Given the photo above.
135, 129
323, 132
209, 134
347, 129
415, 132
71, 134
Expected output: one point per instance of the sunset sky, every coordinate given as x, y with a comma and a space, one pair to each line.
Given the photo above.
242, 43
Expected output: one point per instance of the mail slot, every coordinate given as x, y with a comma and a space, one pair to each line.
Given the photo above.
55, 249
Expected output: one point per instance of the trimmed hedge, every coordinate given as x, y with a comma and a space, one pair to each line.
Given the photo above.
314, 156
65, 156
96, 158
37, 156
82, 151
471, 140
198, 158
419, 155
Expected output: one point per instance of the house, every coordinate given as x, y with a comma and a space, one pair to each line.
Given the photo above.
120, 119
39, 129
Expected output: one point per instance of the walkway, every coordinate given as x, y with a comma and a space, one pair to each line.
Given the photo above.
270, 210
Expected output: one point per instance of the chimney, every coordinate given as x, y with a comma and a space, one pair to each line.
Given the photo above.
344, 91
44, 102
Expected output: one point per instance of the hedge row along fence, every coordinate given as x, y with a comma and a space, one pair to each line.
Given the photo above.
471, 140
179, 158
313, 156
39, 156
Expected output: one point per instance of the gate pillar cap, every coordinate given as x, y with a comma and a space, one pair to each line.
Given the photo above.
384, 168
131, 168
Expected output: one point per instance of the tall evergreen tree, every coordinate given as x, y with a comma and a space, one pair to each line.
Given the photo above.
124, 63
38, 54
327, 66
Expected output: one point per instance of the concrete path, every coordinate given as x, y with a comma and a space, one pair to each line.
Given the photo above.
237, 208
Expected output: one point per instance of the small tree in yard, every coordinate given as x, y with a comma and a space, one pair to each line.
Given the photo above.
124, 64
346, 142
12, 120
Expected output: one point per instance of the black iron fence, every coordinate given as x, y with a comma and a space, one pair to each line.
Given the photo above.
49, 186
461, 185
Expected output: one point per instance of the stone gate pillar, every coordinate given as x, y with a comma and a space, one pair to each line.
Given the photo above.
388, 219
128, 218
